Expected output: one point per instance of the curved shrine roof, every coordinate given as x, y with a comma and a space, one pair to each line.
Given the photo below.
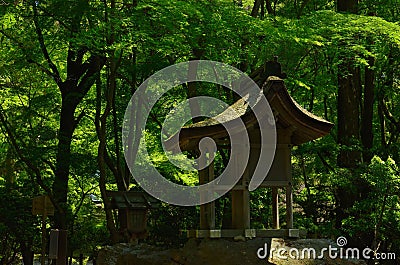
288, 114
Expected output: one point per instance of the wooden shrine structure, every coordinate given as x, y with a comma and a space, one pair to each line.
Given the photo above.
294, 126
133, 207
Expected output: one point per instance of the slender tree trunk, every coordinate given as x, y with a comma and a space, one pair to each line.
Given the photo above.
256, 7
262, 15
260, 3
9, 171
367, 135
302, 7
269, 8
192, 90
382, 124
309, 207
101, 134
382, 109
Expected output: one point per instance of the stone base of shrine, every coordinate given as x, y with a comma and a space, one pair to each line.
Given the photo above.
247, 233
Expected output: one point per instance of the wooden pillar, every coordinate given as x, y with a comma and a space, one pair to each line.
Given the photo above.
210, 207
289, 206
241, 201
44, 236
207, 211
275, 208
240, 209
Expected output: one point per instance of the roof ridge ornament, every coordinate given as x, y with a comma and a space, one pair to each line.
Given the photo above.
274, 68
271, 68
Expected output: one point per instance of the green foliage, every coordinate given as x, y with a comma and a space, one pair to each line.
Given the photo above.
168, 225
89, 231
379, 211
261, 209
19, 229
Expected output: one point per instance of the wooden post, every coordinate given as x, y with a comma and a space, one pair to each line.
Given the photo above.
62, 248
246, 200
43, 257
237, 209
203, 177
211, 206
289, 207
41, 205
240, 209
275, 208
241, 202
207, 211
246, 211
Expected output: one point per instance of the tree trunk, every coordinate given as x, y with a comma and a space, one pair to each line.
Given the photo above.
9, 170
260, 3
301, 8
72, 93
256, 7
382, 126
60, 184
27, 253
348, 115
367, 135
262, 15
122, 181
192, 91
350, 6
348, 111
268, 5
100, 122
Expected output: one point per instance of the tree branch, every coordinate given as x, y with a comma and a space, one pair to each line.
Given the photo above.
41, 67
48, 162
95, 63
24, 159
389, 115
79, 118
54, 71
